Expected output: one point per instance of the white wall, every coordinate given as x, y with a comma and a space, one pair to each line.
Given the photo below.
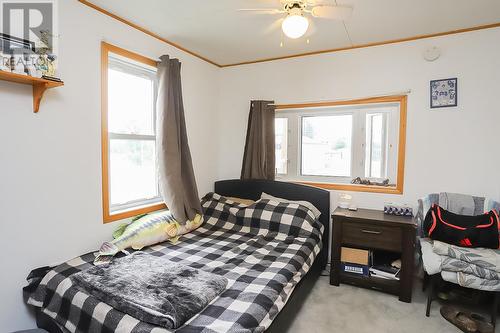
449, 149
50, 167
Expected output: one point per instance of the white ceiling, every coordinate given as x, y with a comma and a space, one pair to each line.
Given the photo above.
215, 29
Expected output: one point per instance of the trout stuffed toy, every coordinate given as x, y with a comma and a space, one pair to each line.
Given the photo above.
143, 231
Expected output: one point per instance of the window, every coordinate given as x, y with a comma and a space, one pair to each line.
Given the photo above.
326, 145
331, 144
376, 147
281, 130
130, 182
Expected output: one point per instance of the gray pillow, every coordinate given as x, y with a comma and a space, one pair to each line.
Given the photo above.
309, 205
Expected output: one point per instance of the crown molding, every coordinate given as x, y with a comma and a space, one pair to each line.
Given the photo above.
305, 54
146, 31
361, 46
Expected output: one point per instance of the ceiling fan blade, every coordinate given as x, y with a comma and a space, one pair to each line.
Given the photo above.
262, 10
274, 27
332, 12
311, 31
312, 3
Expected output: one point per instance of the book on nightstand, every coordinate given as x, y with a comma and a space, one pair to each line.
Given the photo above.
383, 265
355, 261
385, 272
355, 269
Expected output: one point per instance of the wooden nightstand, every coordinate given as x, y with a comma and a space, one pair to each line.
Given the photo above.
373, 230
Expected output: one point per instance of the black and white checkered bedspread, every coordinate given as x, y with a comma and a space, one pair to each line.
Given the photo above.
263, 250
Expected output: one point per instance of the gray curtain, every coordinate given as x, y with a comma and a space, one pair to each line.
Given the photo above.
175, 168
258, 158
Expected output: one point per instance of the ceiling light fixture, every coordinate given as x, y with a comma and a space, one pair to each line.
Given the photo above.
295, 24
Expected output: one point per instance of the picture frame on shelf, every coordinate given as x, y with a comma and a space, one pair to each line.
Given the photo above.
16, 53
444, 93
11, 45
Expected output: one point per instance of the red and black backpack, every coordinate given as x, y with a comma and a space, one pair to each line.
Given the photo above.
463, 230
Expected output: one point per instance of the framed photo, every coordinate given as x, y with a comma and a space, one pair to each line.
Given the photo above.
444, 93
11, 45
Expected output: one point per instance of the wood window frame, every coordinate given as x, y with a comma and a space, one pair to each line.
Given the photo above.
403, 107
108, 216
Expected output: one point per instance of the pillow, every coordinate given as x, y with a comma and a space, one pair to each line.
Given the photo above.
246, 202
309, 205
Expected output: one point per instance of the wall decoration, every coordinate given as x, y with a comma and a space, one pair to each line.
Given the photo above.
22, 57
5, 62
11, 45
443, 93
18, 64
15, 54
45, 62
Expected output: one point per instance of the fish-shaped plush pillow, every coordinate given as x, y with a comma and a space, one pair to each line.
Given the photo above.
144, 231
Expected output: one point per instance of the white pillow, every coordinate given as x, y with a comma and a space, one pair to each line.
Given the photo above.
309, 205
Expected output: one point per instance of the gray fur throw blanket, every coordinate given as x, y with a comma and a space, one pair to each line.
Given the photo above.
152, 289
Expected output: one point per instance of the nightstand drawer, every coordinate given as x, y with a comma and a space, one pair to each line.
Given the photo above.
371, 236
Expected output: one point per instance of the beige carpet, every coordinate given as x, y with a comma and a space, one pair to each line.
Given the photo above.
351, 309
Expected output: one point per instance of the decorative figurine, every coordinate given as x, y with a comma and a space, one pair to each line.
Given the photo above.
31, 69
5, 62
45, 64
52, 65
17, 64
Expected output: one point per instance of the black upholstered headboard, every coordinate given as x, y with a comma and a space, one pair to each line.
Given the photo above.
252, 189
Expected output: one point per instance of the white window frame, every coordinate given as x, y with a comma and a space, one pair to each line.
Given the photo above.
131, 67
394, 111
287, 161
369, 142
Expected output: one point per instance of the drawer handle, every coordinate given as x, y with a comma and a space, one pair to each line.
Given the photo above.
372, 232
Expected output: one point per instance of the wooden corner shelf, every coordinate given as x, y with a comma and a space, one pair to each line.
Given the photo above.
39, 85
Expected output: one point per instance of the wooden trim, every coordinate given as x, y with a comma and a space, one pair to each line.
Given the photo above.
361, 46
403, 102
133, 212
147, 32
353, 47
107, 215
104, 132
109, 48
369, 100
357, 188
402, 144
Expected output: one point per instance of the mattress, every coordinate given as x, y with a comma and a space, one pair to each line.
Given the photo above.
263, 250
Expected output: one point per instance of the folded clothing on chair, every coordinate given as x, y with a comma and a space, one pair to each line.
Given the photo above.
462, 230
152, 289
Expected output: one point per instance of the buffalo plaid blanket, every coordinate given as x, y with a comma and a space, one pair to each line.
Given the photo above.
263, 250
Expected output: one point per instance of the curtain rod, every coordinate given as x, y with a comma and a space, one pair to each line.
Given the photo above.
398, 93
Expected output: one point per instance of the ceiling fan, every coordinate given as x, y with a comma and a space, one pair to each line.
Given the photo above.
295, 24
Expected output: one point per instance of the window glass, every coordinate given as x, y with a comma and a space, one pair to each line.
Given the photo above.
130, 103
281, 144
375, 145
327, 145
131, 131
132, 171
351, 144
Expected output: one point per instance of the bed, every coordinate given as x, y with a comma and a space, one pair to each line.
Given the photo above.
270, 276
